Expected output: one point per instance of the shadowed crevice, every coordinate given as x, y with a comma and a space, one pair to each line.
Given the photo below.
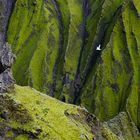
2, 69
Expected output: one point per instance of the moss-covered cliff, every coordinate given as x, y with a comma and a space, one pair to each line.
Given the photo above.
55, 42
56, 46
26, 114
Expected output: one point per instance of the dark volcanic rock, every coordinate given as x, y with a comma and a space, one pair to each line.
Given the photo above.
6, 81
7, 58
5, 12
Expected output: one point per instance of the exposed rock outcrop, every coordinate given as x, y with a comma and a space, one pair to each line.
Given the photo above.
7, 58
5, 12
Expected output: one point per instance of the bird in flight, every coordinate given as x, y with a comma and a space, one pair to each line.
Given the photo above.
98, 47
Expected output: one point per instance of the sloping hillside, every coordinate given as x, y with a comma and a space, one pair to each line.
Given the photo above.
26, 114
55, 43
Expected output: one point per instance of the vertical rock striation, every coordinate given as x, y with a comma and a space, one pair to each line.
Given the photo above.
5, 12
27, 114
56, 51
7, 58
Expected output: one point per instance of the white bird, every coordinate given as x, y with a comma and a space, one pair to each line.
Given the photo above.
98, 48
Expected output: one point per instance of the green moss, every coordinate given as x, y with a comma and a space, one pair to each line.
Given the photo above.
47, 117
29, 114
113, 83
21, 137
75, 38
9, 134
32, 42
109, 78
132, 34
56, 52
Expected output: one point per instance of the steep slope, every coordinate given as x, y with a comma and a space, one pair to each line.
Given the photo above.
27, 114
55, 43
113, 84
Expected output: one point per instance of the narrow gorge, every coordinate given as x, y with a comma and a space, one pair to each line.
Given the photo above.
51, 46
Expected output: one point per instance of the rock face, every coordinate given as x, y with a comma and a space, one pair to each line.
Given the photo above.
27, 114
5, 11
7, 58
6, 81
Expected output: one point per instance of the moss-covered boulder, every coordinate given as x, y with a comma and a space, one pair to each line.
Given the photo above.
26, 114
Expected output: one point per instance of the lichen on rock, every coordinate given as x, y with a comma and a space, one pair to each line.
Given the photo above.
7, 58
55, 42
26, 114
6, 81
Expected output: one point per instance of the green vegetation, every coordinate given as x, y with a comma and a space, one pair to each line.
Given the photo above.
40, 29
55, 42
27, 114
